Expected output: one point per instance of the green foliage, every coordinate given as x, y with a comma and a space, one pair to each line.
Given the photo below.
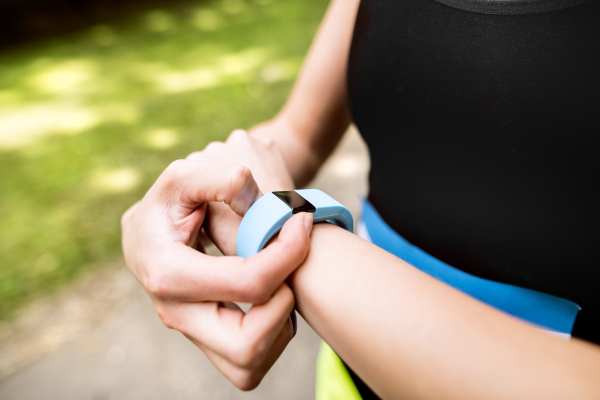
88, 122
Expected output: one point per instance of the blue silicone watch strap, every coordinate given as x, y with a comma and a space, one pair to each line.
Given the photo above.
328, 209
262, 221
268, 214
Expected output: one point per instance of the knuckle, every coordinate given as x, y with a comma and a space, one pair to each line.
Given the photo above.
213, 146
247, 380
238, 135
166, 318
194, 156
174, 170
268, 142
240, 177
249, 354
254, 289
157, 283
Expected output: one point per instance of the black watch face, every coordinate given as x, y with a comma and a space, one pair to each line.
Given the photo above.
296, 202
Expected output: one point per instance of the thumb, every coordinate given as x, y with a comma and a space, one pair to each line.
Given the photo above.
283, 255
292, 229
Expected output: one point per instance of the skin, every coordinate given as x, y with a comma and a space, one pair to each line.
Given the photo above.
410, 336
405, 333
316, 115
194, 293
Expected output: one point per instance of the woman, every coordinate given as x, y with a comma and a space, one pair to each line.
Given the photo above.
479, 116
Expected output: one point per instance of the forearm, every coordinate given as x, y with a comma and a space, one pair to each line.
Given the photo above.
316, 114
410, 336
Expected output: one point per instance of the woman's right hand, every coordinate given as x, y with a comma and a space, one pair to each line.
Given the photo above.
193, 292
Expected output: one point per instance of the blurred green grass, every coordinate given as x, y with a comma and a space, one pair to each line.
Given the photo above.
88, 122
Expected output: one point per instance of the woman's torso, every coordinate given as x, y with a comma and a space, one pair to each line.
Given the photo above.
484, 136
483, 131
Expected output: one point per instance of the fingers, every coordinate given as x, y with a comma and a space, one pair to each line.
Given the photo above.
182, 273
238, 135
185, 184
249, 378
188, 287
244, 340
213, 149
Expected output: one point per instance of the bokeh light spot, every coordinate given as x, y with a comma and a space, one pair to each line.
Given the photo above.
231, 66
116, 181
279, 71
188, 80
235, 64
346, 166
66, 77
163, 138
22, 126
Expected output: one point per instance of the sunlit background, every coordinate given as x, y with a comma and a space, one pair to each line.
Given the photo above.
88, 119
96, 98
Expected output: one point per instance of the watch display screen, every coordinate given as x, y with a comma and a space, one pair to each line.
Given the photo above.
296, 202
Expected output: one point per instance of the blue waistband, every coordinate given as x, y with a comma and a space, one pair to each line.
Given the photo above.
547, 311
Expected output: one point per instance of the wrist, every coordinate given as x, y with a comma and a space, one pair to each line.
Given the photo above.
310, 280
270, 213
290, 141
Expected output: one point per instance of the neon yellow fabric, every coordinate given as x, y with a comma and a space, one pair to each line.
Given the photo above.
333, 380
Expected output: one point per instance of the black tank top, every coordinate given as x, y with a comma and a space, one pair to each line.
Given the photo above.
482, 118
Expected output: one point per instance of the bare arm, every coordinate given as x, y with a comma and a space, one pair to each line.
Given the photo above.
316, 114
410, 336
405, 333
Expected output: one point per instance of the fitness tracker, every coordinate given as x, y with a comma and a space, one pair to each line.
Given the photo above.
268, 214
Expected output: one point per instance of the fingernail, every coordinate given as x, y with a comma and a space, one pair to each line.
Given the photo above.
308, 222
